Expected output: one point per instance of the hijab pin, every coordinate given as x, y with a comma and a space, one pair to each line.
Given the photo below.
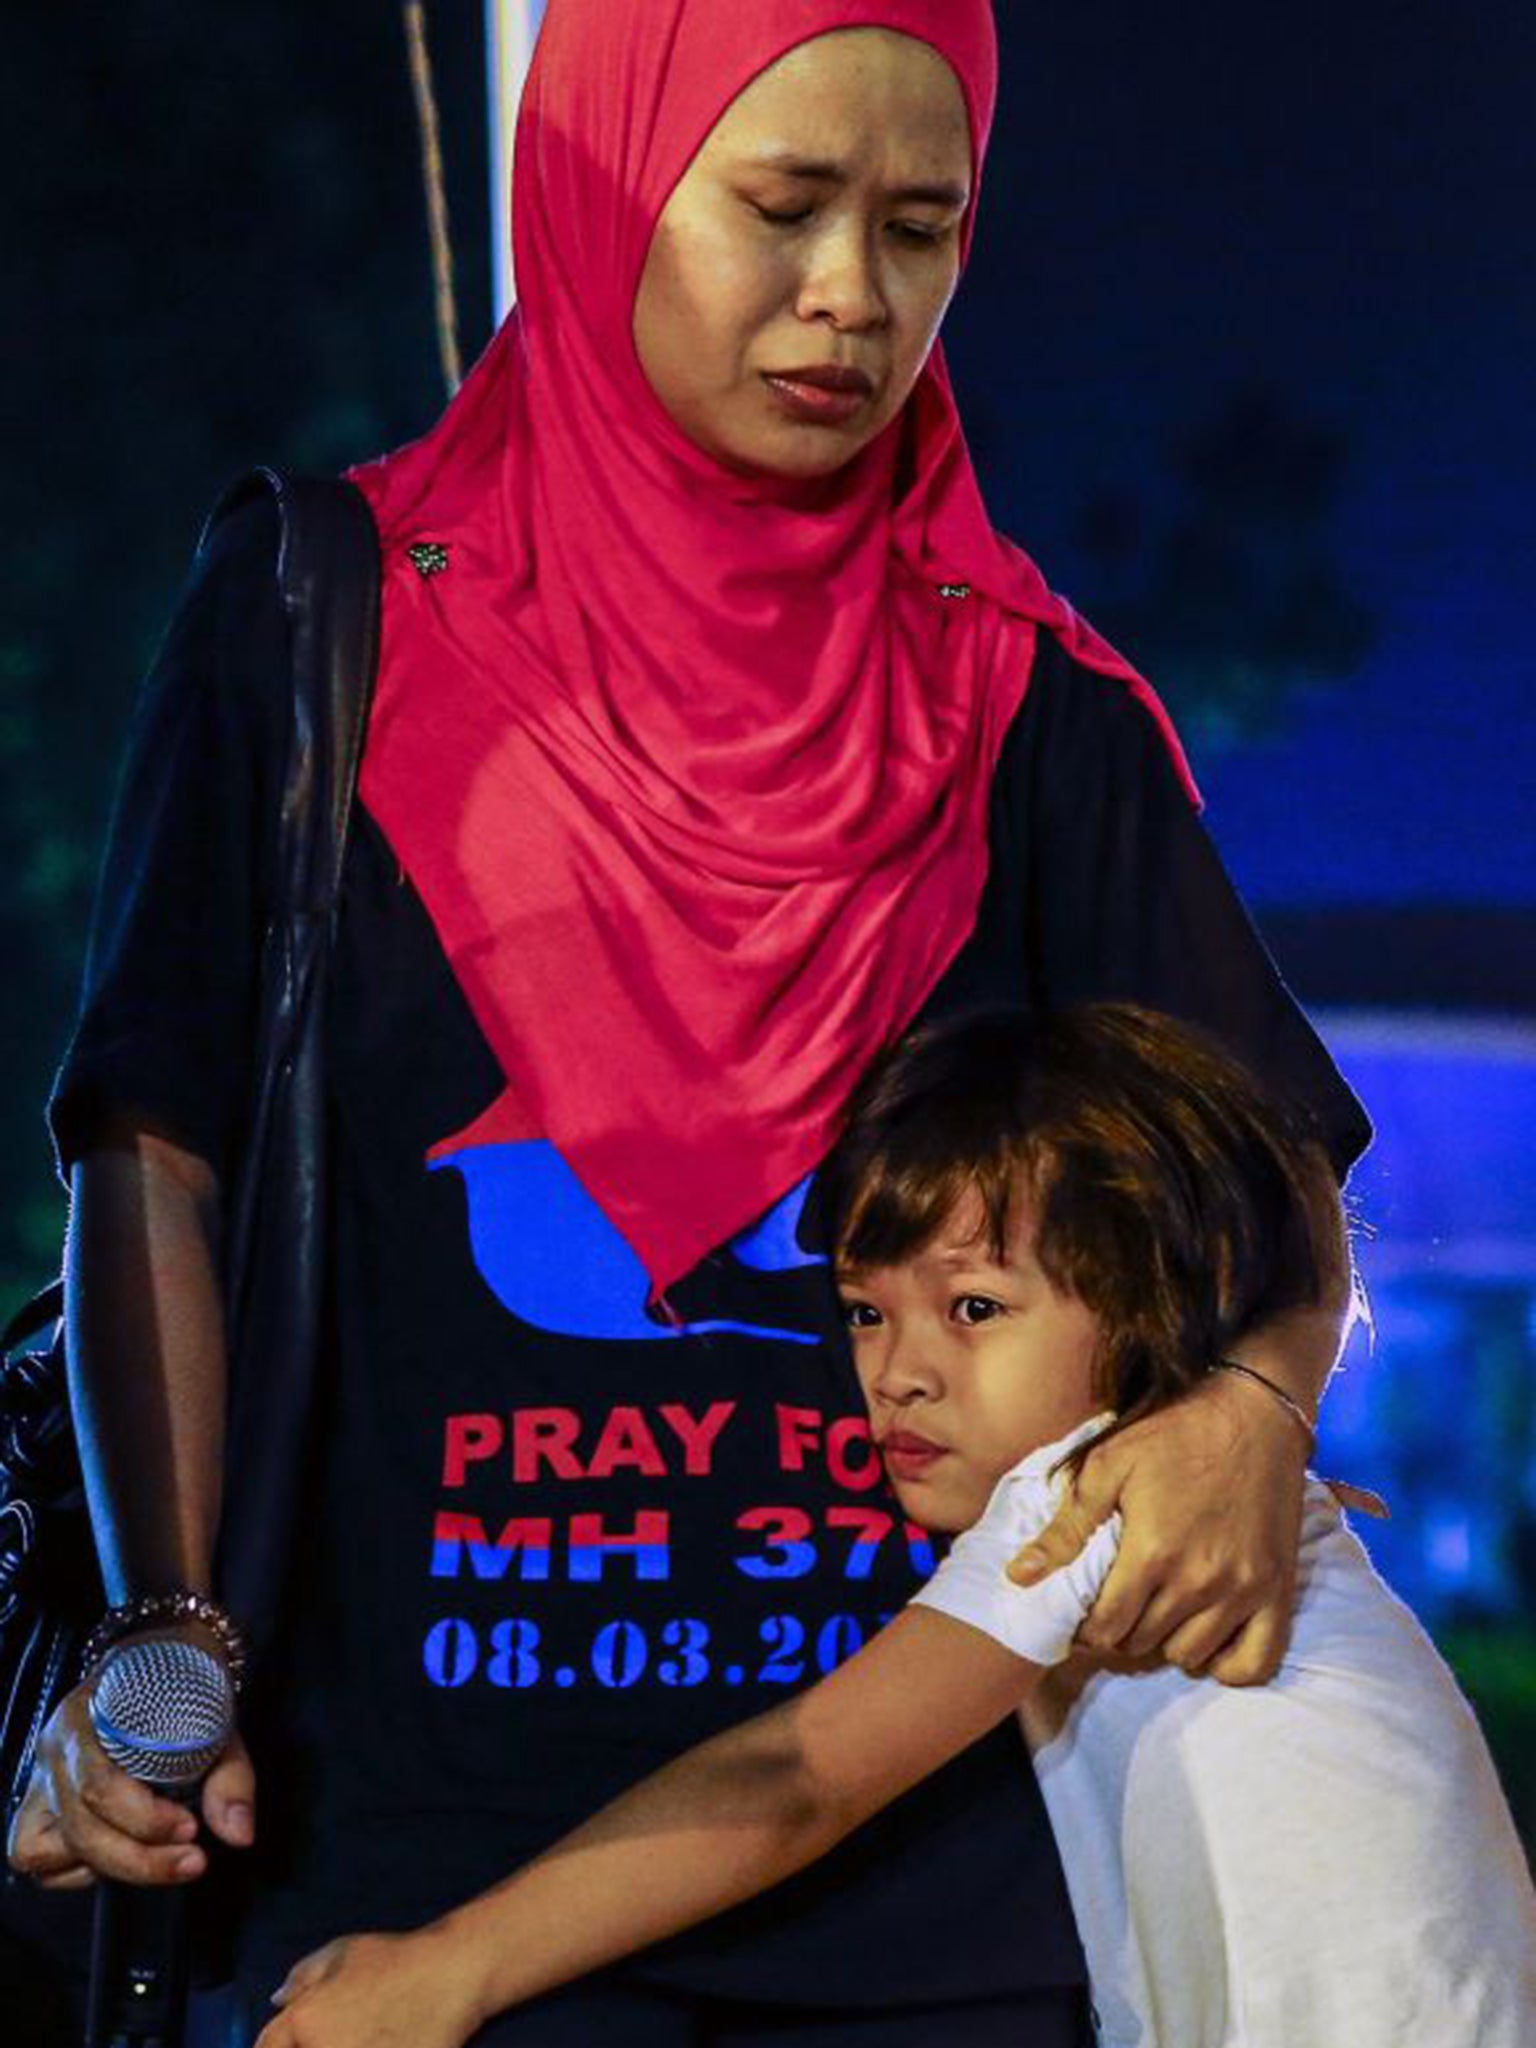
428, 558
954, 590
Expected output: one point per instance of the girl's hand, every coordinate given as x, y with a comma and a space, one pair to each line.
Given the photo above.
1211, 1493
377, 1991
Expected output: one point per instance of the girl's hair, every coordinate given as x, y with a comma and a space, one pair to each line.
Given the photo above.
1170, 1193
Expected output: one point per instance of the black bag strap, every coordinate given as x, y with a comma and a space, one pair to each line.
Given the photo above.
275, 1264
328, 576
328, 579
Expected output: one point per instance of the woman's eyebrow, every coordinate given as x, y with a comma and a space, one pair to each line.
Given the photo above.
939, 192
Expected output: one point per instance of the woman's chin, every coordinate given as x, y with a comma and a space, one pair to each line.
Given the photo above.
757, 440
789, 458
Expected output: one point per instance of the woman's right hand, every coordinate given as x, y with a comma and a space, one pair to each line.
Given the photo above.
84, 1818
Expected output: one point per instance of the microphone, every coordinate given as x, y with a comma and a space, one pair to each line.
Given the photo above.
163, 1711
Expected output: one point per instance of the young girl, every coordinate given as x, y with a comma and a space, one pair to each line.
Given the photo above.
1043, 1231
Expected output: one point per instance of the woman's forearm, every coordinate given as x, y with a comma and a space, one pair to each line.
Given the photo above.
146, 1369
1300, 1349
146, 1359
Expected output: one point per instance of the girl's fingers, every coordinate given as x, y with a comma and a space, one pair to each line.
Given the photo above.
308, 1970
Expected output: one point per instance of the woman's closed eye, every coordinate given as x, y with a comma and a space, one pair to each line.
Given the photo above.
923, 234
782, 217
916, 233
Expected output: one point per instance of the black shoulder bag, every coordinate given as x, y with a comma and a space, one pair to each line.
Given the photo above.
50, 1587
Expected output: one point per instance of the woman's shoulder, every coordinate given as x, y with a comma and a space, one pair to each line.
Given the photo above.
1078, 703
226, 643
1080, 727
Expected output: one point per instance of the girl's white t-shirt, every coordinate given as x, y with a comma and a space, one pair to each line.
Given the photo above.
1326, 1861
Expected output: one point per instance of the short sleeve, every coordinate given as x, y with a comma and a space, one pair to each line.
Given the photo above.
166, 1023
1129, 900
1036, 1622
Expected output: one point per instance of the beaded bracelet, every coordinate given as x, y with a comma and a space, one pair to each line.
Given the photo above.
1287, 1401
168, 1610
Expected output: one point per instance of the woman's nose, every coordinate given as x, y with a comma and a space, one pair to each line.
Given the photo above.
842, 285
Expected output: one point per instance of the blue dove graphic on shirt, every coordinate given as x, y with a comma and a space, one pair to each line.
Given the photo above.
555, 1261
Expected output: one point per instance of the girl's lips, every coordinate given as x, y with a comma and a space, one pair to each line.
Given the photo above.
909, 1457
822, 402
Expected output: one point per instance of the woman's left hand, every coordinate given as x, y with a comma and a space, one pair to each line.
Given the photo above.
375, 1991
1210, 1491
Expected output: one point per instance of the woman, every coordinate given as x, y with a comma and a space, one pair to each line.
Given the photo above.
716, 736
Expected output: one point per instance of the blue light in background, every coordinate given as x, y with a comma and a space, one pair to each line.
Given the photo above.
1441, 1414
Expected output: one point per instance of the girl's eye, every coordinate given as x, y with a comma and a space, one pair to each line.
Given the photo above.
860, 1315
975, 1308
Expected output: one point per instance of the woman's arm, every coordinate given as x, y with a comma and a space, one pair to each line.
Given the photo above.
147, 1114
1211, 1494
146, 1358
1298, 1351
717, 1826
1128, 900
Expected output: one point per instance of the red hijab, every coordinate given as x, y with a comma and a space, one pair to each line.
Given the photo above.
691, 771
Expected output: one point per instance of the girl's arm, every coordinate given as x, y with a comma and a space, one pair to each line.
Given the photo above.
720, 1824
730, 1818
741, 1812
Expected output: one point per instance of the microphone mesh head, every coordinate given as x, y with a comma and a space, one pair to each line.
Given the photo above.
163, 1711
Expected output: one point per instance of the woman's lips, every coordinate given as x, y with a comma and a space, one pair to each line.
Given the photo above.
819, 396
910, 1457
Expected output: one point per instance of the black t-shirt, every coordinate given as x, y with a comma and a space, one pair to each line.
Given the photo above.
550, 1540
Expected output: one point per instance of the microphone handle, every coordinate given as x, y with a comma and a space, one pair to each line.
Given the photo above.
161, 1709
138, 1990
